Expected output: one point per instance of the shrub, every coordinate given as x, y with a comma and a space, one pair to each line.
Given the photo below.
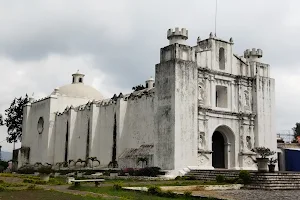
231, 180
240, 181
27, 169
130, 171
2, 189
263, 151
31, 187
180, 178
40, 182
28, 180
191, 178
107, 173
4, 164
148, 171
117, 186
187, 193
220, 178
45, 170
1, 181
154, 190
168, 194
245, 176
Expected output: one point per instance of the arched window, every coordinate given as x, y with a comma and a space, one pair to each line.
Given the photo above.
80, 80
221, 58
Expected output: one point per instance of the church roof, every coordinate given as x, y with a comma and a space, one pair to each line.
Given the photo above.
80, 91
143, 150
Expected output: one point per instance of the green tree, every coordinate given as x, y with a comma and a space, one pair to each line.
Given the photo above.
14, 118
296, 130
1, 120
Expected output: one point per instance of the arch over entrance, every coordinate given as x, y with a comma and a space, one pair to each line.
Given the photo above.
223, 141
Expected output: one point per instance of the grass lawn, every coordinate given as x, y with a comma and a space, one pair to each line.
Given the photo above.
128, 183
124, 194
40, 195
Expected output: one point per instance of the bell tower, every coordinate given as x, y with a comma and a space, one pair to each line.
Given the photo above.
176, 91
77, 77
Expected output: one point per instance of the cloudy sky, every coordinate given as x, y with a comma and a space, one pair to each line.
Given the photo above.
116, 43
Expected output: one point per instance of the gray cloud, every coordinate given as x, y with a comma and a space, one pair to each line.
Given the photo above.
116, 43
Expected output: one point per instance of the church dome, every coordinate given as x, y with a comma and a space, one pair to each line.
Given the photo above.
78, 89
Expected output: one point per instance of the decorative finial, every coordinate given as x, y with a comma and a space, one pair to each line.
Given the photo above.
211, 35
198, 39
231, 40
121, 95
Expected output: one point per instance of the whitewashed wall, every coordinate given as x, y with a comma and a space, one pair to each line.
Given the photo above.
102, 132
136, 122
38, 143
60, 137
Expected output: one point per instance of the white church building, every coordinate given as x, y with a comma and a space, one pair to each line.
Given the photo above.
206, 109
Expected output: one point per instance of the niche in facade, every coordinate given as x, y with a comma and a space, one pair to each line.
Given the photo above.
222, 58
221, 96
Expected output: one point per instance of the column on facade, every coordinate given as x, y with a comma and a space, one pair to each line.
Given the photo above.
252, 131
212, 92
240, 99
228, 155
207, 89
233, 109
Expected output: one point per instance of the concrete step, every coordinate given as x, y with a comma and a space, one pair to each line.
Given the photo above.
265, 181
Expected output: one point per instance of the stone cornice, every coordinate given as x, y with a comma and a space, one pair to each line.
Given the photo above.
239, 115
214, 72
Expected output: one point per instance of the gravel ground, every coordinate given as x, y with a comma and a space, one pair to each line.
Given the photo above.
259, 194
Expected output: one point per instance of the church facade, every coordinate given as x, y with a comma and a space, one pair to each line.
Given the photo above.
206, 109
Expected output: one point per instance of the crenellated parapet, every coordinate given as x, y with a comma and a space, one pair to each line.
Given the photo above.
178, 36
145, 93
253, 55
39, 100
139, 94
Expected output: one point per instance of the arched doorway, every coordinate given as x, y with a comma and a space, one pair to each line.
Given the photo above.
218, 148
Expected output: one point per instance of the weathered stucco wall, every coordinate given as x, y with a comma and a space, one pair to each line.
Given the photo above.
38, 143
165, 115
103, 130
264, 101
136, 122
186, 113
